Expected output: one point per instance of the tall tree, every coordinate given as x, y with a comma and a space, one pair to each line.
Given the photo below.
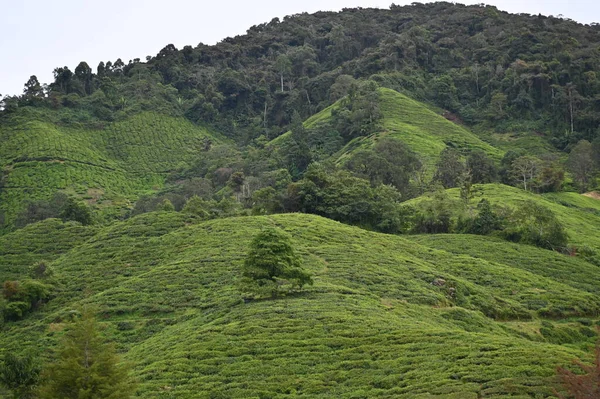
283, 66
87, 367
271, 262
581, 164
525, 170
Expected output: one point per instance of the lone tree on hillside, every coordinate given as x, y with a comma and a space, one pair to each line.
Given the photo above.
270, 264
87, 367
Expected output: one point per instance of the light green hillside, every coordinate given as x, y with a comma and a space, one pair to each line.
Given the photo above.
387, 316
424, 131
421, 129
119, 161
579, 214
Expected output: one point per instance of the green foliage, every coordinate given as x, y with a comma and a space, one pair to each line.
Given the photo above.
106, 166
86, 367
337, 194
23, 296
486, 221
481, 168
433, 216
535, 224
20, 374
449, 169
166, 206
581, 164
271, 263
164, 284
389, 162
196, 206
358, 113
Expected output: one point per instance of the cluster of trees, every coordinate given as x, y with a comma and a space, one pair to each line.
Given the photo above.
84, 366
521, 72
530, 223
20, 297
60, 205
517, 168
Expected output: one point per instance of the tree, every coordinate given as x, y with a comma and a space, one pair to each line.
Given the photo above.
33, 88
271, 263
283, 66
581, 164
86, 366
449, 169
389, 162
481, 167
197, 206
20, 374
525, 170
77, 211
535, 224
84, 75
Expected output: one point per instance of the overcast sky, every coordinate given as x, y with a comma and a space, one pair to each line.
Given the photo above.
40, 35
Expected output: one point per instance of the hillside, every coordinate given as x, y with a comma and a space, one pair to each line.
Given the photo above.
108, 166
386, 317
136, 190
421, 129
580, 215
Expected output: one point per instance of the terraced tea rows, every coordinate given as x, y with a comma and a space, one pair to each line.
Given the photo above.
387, 317
122, 160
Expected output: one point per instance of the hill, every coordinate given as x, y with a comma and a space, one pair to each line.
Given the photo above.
387, 316
176, 163
579, 214
108, 166
424, 132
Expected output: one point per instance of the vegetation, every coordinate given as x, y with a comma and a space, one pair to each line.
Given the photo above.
20, 375
425, 174
272, 263
86, 367
164, 285
586, 385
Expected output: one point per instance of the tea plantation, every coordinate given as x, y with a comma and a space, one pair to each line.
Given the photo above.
388, 316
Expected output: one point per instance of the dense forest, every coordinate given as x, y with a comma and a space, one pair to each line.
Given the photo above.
484, 65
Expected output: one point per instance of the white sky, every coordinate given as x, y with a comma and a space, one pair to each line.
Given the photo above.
40, 35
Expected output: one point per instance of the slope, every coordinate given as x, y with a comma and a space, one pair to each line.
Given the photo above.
106, 165
422, 130
425, 132
580, 215
387, 317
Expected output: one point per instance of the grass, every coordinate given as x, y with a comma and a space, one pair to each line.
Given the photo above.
121, 160
388, 316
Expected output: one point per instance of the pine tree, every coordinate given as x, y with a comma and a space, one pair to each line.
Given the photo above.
86, 367
20, 374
